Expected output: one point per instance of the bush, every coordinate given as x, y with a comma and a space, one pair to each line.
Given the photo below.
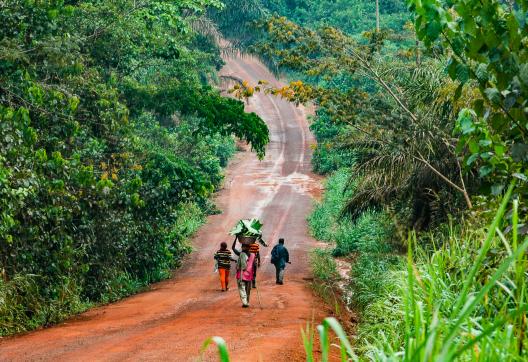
324, 267
329, 156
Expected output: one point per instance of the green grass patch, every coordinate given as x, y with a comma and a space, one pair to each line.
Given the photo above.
367, 239
324, 266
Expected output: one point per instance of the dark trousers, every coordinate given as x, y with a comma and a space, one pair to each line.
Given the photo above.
279, 273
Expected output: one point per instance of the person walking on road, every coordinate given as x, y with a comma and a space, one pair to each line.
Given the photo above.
223, 258
279, 258
244, 273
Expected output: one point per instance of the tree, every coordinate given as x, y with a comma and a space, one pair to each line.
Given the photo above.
486, 45
111, 143
388, 119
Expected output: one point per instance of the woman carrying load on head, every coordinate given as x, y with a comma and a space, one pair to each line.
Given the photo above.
244, 272
223, 258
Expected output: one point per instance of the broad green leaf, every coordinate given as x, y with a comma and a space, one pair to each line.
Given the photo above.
493, 95
471, 159
473, 146
469, 26
485, 170
499, 150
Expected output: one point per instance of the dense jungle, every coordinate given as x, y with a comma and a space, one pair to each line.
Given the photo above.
120, 141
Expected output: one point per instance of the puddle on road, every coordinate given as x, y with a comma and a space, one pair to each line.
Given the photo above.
268, 186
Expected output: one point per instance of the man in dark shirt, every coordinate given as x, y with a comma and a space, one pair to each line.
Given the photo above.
279, 258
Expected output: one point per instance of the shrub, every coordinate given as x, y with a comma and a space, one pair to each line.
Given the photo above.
324, 267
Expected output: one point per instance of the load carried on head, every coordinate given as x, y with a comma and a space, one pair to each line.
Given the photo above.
248, 231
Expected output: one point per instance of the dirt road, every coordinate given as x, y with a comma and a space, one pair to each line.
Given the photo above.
171, 321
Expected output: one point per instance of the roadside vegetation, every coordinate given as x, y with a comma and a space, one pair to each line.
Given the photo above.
112, 139
448, 303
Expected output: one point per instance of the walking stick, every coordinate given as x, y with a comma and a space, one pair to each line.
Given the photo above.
258, 297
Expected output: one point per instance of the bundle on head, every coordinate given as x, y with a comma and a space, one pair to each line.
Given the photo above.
247, 231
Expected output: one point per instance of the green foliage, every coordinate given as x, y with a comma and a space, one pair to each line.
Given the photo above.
462, 296
112, 140
24, 307
397, 128
245, 227
463, 300
371, 275
237, 18
353, 17
367, 238
324, 219
329, 154
324, 267
486, 45
368, 233
347, 352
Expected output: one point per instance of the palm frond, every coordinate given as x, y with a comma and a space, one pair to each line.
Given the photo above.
205, 26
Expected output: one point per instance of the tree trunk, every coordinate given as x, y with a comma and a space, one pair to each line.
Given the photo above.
418, 54
377, 17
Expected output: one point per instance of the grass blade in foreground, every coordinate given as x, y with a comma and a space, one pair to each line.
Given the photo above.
485, 247
220, 344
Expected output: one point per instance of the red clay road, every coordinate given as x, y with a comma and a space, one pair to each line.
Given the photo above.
172, 319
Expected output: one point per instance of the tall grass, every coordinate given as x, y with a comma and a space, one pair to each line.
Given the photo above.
324, 267
22, 306
365, 238
327, 222
465, 299
326, 278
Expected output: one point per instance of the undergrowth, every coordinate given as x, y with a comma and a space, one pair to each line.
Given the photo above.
461, 294
24, 305
365, 239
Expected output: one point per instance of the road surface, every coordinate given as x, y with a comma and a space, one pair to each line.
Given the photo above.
172, 319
